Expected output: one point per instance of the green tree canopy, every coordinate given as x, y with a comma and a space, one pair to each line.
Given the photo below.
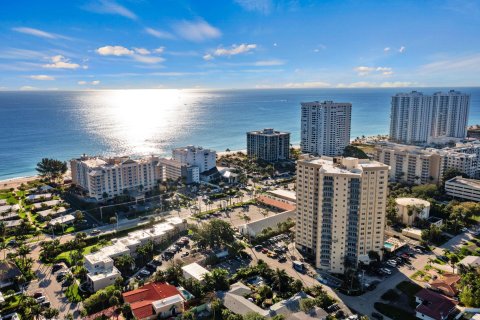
355, 152
51, 169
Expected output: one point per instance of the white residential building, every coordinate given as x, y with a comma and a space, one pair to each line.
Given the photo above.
204, 159
450, 114
408, 209
416, 118
100, 266
112, 176
417, 165
463, 188
268, 145
325, 127
341, 204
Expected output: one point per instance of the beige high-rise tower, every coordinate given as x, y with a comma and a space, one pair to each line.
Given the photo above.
341, 209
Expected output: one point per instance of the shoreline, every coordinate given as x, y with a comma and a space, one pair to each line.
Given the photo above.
16, 182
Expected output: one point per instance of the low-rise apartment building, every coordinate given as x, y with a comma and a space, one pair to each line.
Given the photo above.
105, 178
463, 188
100, 265
418, 165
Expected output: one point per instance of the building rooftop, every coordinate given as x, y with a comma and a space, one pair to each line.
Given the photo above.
195, 270
153, 295
63, 219
291, 195
412, 202
267, 132
473, 183
350, 166
434, 305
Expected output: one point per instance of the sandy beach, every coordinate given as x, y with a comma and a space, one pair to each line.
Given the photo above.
16, 182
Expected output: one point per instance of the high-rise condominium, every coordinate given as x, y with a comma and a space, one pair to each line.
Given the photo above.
417, 118
341, 204
325, 127
268, 145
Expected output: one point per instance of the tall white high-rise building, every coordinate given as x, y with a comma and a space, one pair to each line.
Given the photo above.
450, 114
410, 118
268, 145
204, 159
341, 209
416, 118
325, 127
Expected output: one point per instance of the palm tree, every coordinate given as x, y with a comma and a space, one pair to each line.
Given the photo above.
280, 280
453, 261
51, 313
23, 251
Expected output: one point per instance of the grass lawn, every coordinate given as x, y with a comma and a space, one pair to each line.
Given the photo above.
10, 197
65, 256
73, 294
393, 312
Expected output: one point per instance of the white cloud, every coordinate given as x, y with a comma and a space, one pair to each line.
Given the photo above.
234, 50
275, 44
60, 62
366, 84
159, 33
110, 7
114, 51
386, 49
262, 6
208, 57
310, 84
94, 82
148, 59
458, 64
38, 33
365, 71
142, 51
273, 62
196, 31
26, 88
402, 49
41, 77
159, 50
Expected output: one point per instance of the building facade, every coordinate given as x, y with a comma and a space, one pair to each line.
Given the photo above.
417, 165
463, 188
416, 118
105, 178
409, 209
268, 145
325, 127
341, 208
204, 159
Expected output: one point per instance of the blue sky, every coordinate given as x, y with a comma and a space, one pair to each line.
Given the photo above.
106, 44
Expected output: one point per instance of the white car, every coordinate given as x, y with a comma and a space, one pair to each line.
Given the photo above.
387, 271
391, 264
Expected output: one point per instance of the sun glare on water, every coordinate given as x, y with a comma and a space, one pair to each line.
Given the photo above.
140, 121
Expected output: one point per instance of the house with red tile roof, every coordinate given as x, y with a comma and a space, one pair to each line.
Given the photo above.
433, 306
446, 284
155, 300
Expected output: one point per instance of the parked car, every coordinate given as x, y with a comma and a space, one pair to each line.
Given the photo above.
41, 299
264, 250
95, 231
258, 247
282, 259
38, 294
185, 254
151, 266
56, 267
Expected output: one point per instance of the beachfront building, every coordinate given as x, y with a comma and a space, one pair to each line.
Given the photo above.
416, 118
204, 159
268, 145
170, 169
410, 209
325, 127
100, 265
417, 165
341, 205
105, 178
463, 188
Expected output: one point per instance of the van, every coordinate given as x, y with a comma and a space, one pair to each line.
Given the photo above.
299, 266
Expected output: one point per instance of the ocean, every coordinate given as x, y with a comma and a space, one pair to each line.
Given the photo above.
64, 125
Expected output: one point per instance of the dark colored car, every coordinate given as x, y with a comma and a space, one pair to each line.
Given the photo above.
377, 316
56, 267
258, 247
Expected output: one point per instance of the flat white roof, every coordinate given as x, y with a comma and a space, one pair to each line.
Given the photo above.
473, 183
103, 273
195, 270
285, 193
63, 219
412, 202
159, 304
